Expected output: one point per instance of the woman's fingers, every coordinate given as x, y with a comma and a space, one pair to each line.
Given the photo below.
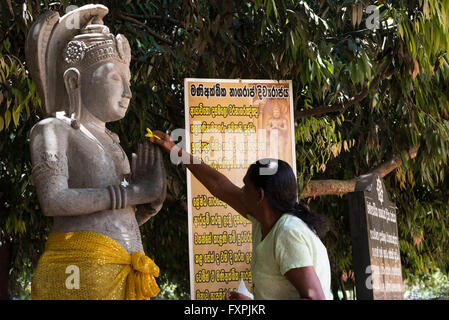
233, 295
164, 141
161, 135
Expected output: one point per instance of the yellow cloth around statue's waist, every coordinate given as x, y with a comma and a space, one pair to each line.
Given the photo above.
90, 265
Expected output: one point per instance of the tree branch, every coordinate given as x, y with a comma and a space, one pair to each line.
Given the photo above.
395, 162
142, 61
120, 15
155, 17
339, 187
328, 187
342, 107
339, 107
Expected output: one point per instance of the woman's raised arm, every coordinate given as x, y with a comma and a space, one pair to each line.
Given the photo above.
217, 183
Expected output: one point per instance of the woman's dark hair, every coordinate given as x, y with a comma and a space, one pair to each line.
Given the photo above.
279, 184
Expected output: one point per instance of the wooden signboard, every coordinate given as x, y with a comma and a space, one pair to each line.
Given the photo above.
375, 242
230, 124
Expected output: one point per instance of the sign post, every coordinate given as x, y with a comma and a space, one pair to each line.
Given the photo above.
231, 124
375, 242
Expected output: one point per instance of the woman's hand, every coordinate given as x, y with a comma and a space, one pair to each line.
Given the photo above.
234, 295
165, 142
214, 181
177, 155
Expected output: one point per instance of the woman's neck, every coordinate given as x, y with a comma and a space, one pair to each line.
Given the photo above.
270, 217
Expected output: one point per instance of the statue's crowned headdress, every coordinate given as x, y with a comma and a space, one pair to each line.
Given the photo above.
95, 44
55, 44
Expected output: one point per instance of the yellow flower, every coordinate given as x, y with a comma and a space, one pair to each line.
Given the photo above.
150, 134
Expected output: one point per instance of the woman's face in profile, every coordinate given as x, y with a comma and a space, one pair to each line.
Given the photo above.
250, 196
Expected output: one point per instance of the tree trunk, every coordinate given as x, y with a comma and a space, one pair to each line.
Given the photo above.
339, 187
5, 262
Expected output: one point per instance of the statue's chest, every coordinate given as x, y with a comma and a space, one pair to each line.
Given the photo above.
94, 162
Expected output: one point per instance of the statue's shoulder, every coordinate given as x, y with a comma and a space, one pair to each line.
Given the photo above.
59, 125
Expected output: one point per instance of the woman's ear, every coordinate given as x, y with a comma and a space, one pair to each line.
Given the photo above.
260, 195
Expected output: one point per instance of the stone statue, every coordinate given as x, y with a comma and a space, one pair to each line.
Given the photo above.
277, 123
81, 173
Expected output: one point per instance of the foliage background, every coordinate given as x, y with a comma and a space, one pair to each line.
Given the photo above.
361, 94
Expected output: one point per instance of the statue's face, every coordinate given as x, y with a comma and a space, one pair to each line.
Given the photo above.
105, 90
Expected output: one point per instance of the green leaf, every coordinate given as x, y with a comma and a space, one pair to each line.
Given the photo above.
16, 114
6, 44
330, 66
404, 162
7, 118
276, 14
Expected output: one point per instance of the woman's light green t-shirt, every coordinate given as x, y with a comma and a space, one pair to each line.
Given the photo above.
289, 244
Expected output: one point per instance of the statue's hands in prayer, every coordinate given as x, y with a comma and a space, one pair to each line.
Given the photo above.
148, 176
146, 164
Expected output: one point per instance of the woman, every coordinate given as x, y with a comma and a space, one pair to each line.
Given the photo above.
289, 260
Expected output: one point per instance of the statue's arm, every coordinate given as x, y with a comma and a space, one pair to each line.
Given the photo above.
146, 211
48, 144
